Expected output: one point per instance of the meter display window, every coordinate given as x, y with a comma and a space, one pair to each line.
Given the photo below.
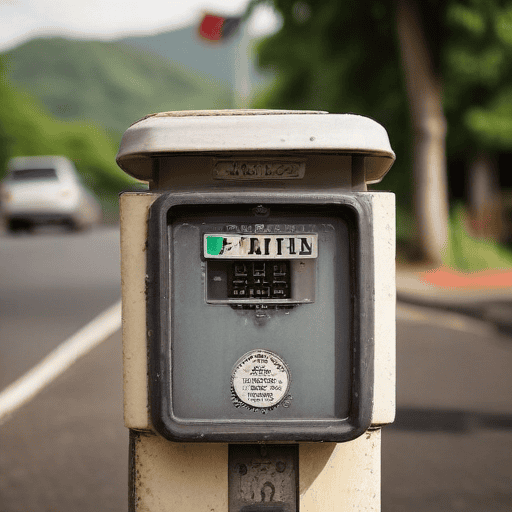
257, 333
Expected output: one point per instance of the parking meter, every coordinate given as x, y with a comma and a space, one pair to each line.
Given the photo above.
258, 309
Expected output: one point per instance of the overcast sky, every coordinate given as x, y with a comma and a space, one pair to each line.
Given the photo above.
21, 20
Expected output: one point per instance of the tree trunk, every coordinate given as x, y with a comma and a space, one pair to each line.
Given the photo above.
429, 126
484, 198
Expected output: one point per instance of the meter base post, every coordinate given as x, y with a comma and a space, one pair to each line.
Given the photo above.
201, 477
271, 180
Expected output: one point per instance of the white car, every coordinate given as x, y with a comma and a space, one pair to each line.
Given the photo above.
46, 190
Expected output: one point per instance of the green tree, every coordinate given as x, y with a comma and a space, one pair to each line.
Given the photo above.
477, 71
5, 139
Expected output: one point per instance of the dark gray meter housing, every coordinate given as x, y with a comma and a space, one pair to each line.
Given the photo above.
258, 322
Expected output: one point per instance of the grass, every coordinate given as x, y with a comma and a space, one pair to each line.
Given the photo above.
470, 254
465, 252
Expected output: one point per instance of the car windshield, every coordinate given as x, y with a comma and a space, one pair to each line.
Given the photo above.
33, 174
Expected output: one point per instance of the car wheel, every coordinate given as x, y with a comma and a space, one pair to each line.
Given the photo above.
15, 226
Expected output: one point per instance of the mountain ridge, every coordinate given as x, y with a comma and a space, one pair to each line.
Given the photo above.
111, 83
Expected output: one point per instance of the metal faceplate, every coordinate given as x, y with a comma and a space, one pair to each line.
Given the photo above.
251, 340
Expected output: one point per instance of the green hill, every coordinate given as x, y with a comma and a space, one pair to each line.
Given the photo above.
231, 63
112, 84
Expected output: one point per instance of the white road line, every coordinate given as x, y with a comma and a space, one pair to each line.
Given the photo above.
59, 360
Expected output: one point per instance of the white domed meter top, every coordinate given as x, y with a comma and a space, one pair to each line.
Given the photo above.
270, 131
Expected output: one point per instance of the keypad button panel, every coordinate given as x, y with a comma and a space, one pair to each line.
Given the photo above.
259, 280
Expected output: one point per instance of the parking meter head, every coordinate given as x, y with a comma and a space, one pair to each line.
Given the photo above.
260, 269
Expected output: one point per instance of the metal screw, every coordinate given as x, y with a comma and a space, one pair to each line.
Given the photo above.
280, 466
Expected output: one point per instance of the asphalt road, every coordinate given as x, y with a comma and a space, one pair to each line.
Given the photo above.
450, 446
51, 284
67, 449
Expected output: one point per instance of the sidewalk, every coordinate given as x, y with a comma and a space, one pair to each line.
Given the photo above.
486, 295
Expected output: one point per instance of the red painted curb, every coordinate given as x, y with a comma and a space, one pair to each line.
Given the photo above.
486, 279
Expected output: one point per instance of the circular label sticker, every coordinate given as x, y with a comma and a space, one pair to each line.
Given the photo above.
260, 380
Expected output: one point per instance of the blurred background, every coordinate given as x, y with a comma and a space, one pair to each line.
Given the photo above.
436, 74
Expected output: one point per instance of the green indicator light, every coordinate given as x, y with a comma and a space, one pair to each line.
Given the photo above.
214, 245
